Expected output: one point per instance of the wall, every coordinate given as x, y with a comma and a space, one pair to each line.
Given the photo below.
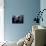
1, 20
13, 32
43, 6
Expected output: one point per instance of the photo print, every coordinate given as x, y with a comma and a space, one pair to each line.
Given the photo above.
18, 19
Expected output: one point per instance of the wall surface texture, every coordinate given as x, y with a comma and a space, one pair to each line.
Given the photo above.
43, 6
28, 8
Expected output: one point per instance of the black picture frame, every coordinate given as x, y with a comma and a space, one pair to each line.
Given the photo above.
18, 19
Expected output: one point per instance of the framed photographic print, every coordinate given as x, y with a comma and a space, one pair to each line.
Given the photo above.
18, 19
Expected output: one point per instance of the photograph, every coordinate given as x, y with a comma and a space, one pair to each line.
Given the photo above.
18, 19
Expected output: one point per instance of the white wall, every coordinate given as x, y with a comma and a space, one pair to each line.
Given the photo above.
43, 6
1, 20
